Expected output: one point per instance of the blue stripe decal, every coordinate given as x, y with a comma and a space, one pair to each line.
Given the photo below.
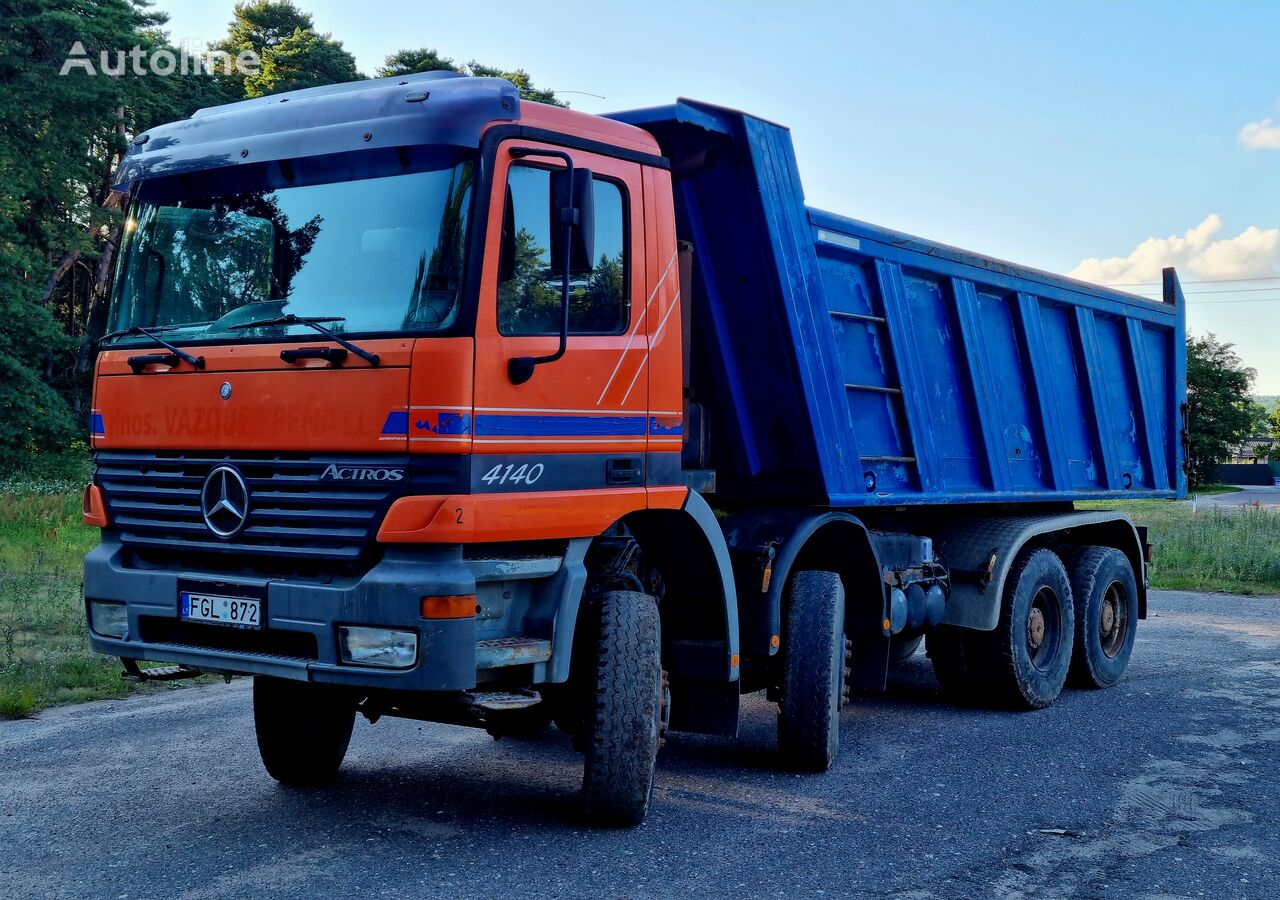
546, 426
397, 423
95, 424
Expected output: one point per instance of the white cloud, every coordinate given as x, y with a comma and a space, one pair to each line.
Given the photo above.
1200, 252
1261, 135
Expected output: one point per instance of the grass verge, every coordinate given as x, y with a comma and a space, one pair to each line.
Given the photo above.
1210, 549
1208, 490
44, 646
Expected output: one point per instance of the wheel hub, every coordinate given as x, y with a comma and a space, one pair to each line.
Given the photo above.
1035, 628
1113, 620
1108, 614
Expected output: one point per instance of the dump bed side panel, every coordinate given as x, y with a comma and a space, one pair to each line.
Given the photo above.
967, 377
844, 363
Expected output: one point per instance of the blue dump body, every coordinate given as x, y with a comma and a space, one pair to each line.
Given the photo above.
844, 363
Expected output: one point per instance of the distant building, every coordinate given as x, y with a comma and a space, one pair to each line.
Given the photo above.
1247, 452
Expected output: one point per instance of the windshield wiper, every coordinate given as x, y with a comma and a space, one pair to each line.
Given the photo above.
138, 363
314, 322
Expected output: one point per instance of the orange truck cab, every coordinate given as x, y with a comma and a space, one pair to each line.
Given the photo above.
398, 412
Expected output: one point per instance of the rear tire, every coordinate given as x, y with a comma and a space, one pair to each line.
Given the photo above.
948, 651
813, 672
622, 728
303, 729
1024, 662
1106, 606
899, 651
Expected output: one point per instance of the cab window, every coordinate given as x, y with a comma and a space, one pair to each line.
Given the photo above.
529, 291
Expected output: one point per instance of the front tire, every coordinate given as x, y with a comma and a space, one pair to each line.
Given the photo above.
622, 727
1106, 605
1026, 659
813, 672
303, 729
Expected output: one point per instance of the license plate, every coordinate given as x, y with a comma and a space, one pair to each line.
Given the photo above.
236, 612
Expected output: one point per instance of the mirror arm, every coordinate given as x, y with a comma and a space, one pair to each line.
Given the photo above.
520, 368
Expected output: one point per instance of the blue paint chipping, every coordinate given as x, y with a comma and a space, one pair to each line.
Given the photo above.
657, 428
446, 423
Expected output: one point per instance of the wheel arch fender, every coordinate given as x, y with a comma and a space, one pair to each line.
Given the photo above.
688, 547
770, 545
979, 553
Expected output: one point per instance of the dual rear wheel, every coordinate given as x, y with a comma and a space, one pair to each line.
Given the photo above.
1062, 619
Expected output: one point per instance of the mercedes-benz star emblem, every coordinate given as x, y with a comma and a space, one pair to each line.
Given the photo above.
224, 501
225, 391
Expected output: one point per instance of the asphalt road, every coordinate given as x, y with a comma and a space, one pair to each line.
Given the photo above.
1248, 495
1165, 786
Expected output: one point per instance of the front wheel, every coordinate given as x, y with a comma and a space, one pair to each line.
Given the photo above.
814, 653
623, 723
303, 729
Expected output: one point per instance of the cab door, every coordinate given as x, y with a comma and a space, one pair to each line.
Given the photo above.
580, 422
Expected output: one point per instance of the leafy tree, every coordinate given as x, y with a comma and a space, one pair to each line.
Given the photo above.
1220, 412
61, 137
423, 59
292, 53
408, 62
520, 78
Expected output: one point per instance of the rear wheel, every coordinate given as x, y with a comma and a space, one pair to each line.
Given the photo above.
1106, 606
814, 655
303, 729
622, 729
948, 651
1024, 662
903, 650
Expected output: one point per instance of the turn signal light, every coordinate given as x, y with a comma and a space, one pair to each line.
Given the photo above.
93, 507
458, 606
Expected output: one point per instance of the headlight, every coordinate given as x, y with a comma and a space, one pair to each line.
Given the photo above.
109, 619
383, 647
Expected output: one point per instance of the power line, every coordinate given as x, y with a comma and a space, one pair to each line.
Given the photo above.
1220, 291
1222, 302
1204, 281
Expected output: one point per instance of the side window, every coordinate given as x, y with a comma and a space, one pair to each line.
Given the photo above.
528, 291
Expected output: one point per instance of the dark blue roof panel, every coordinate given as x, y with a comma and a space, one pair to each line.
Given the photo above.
323, 120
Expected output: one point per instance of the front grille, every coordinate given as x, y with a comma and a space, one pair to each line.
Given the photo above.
153, 502
267, 642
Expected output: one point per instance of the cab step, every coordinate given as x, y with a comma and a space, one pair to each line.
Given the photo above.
511, 651
497, 701
132, 672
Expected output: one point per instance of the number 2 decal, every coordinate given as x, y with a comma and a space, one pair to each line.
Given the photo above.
513, 474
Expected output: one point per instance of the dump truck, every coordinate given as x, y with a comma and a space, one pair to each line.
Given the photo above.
423, 400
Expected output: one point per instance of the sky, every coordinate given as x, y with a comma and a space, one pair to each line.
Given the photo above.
1099, 139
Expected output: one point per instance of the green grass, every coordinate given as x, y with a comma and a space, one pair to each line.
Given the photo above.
44, 646
1208, 490
1210, 549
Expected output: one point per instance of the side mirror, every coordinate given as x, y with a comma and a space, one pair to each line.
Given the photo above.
582, 237
572, 245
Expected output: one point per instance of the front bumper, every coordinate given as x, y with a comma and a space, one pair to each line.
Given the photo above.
305, 612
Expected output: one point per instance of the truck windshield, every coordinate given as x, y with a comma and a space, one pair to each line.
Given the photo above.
383, 250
